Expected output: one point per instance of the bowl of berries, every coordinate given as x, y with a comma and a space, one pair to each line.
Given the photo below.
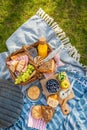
52, 86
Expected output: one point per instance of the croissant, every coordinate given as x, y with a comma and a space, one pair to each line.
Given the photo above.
36, 112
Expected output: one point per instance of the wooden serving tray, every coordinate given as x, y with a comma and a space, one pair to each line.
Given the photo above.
62, 102
43, 83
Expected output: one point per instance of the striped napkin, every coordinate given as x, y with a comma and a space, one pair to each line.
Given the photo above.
38, 124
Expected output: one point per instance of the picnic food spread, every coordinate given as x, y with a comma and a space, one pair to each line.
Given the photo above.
45, 112
27, 65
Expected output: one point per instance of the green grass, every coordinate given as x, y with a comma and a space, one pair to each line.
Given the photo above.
71, 15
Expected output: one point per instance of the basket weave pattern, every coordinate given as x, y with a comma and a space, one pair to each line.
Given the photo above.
25, 51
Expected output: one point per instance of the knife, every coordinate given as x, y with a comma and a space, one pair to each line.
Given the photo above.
70, 89
53, 53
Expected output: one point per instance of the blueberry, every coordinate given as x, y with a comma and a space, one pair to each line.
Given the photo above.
52, 85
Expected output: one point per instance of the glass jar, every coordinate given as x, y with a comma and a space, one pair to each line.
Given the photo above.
42, 48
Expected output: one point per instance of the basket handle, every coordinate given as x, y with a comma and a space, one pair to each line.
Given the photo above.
25, 49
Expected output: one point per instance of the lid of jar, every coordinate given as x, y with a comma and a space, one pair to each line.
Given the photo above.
42, 40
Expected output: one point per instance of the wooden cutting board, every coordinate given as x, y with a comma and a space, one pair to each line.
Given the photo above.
43, 83
11, 102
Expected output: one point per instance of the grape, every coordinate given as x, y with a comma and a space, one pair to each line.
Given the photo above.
30, 72
32, 68
24, 76
61, 76
27, 71
23, 79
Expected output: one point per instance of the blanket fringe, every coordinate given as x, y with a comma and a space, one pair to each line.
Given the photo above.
62, 36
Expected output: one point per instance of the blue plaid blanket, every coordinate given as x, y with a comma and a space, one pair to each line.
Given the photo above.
40, 26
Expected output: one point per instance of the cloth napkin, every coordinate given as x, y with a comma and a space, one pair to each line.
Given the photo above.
38, 124
41, 25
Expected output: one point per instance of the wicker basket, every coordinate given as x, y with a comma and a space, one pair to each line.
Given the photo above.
34, 76
35, 45
25, 50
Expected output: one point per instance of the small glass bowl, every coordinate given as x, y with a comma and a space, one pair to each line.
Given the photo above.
52, 85
35, 100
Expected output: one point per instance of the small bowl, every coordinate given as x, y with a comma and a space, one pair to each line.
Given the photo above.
31, 99
52, 86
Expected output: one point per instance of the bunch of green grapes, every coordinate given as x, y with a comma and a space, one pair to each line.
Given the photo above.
24, 76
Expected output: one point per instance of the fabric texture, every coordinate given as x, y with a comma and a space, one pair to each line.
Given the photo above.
11, 102
29, 33
38, 124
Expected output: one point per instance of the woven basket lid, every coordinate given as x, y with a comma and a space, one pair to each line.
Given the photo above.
11, 102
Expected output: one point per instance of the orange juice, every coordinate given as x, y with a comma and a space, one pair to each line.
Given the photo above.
42, 48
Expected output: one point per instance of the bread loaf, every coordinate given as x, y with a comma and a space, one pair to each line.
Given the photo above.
13, 65
21, 65
47, 113
52, 100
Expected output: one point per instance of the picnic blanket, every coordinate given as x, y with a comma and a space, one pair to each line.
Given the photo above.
42, 25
